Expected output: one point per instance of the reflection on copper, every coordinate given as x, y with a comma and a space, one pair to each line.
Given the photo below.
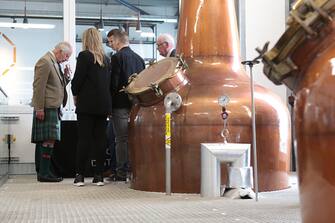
315, 128
313, 83
199, 61
211, 51
281, 114
201, 3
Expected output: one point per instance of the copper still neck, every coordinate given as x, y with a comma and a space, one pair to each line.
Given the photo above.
208, 28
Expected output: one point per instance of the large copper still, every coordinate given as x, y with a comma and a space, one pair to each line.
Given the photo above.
208, 39
310, 48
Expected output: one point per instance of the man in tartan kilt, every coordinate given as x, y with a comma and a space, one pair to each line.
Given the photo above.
49, 94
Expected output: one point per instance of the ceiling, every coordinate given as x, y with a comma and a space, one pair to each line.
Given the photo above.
91, 8
134, 2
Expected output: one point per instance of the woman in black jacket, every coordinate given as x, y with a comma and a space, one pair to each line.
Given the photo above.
92, 97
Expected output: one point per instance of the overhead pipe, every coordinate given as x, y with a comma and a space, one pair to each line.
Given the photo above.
132, 7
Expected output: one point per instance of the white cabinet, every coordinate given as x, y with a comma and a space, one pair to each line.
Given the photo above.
18, 120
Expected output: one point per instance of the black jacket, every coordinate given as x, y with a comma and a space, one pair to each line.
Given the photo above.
173, 53
91, 85
124, 63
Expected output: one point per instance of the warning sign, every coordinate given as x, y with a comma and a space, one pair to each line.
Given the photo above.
168, 129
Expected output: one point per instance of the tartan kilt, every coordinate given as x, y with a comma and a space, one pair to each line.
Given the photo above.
48, 129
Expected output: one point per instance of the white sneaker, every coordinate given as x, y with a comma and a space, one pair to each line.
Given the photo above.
79, 180
98, 180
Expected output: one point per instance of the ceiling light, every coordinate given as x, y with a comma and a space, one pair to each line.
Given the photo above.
14, 21
148, 34
26, 26
138, 23
100, 25
25, 19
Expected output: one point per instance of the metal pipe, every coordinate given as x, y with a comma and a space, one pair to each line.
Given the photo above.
168, 153
172, 102
254, 146
156, 19
251, 63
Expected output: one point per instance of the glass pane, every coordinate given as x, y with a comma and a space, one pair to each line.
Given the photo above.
30, 44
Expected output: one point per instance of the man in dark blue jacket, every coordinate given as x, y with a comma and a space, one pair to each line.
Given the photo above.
124, 63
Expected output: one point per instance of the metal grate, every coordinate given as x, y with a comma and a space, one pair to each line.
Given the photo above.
22, 199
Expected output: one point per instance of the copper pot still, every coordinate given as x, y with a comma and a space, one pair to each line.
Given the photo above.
310, 48
208, 39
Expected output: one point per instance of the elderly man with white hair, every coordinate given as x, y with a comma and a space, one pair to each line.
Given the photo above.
49, 95
165, 45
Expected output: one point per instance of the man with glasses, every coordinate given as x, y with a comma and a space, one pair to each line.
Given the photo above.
165, 45
49, 94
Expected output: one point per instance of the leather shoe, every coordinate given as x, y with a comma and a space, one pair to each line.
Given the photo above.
109, 173
49, 179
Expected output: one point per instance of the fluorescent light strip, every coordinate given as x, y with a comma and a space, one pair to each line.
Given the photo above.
26, 25
147, 34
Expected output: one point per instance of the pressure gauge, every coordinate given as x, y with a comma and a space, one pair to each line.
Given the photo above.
223, 100
172, 101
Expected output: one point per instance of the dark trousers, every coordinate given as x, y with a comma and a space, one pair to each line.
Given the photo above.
120, 118
91, 136
111, 144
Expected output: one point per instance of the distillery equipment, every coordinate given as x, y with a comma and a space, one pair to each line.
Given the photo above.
208, 39
304, 60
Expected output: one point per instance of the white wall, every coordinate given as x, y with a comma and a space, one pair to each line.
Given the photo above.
30, 44
264, 21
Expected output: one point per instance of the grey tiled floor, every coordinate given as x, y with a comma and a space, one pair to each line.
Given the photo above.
22, 199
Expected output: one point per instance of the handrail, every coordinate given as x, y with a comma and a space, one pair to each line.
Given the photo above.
3, 92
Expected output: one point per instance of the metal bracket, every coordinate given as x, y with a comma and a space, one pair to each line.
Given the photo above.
10, 118
158, 91
132, 77
278, 72
307, 17
303, 23
182, 63
322, 12
152, 62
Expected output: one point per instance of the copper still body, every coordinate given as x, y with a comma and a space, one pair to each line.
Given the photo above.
208, 39
311, 49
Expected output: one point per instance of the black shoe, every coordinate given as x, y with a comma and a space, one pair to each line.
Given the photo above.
121, 176
98, 180
79, 180
48, 178
55, 176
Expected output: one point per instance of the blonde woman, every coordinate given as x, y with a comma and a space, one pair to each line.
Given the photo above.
92, 96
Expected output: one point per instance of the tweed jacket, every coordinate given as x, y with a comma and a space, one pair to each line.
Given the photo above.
49, 84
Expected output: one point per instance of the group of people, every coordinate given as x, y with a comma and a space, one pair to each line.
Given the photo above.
95, 86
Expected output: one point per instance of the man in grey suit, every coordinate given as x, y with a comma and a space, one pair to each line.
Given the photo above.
49, 95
